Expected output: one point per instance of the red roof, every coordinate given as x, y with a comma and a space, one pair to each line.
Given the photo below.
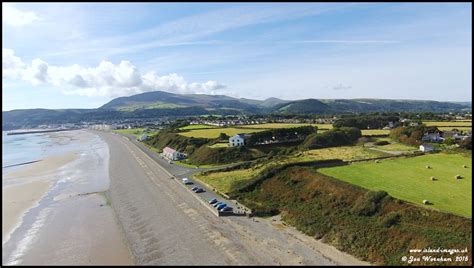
169, 150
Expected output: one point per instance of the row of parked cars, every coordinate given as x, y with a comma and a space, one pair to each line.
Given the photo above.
219, 205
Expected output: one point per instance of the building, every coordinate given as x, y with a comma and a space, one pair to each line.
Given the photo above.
432, 137
237, 140
172, 154
426, 148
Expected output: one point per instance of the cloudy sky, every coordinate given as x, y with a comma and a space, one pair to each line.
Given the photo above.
83, 55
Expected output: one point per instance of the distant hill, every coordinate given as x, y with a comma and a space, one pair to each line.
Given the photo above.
164, 104
312, 106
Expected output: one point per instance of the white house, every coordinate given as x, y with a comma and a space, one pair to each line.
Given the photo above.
237, 140
426, 148
172, 154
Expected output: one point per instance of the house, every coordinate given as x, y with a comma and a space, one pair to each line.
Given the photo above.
238, 139
426, 148
172, 154
432, 137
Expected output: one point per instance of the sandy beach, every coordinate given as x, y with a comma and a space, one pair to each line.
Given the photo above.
55, 210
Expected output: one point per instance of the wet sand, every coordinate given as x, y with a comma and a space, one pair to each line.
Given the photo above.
16, 200
55, 210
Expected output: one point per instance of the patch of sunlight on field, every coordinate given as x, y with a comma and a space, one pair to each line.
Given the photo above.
409, 179
190, 127
448, 124
215, 132
283, 125
371, 132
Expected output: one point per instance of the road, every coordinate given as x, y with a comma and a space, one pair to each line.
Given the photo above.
165, 224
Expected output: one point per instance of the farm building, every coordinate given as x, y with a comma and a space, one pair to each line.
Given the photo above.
172, 154
426, 148
237, 140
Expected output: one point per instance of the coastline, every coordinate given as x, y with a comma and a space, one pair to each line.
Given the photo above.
55, 211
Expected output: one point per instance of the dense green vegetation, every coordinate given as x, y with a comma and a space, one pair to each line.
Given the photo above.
370, 225
208, 155
411, 135
334, 137
409, 179
281, 135
366, 121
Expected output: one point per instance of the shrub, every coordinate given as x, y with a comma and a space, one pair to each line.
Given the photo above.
379, 143
368, 204
390, 219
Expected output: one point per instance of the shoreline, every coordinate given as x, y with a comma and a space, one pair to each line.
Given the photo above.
55, 211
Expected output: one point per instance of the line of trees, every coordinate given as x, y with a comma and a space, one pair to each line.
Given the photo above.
366, 121
280, 135
332, 138
411, 135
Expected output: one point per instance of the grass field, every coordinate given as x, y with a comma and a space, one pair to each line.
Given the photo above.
224, 180
283, 125
214, 132
220, 145
130, 131
409, 179
371, 132
448, 124
191, 127
458, 128
394, 146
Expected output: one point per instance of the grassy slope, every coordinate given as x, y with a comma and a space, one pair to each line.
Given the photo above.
371, 132
324, 207
131, 131
409, 179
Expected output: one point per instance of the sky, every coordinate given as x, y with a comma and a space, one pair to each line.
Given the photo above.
82, 55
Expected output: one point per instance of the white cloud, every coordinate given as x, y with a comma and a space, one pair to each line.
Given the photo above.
107, 79
11, 64
15, 17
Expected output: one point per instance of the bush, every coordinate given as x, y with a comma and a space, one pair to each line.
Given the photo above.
379, 143
368, 204
390, 219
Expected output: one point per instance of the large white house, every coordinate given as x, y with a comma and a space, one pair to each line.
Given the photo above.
172, 154
237, 140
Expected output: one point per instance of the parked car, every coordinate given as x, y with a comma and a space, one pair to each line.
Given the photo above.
217, 204
226, 208
199, 190
194, 188
221, 206
185, 180
213, 201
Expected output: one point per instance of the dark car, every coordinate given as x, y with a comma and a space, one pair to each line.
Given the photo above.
213, 201
199, 190
221, 206
226, 209
217, 204
194, 188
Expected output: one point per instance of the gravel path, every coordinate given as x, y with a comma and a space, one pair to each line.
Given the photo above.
165, 225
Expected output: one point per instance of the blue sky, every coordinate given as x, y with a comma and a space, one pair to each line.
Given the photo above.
83, 55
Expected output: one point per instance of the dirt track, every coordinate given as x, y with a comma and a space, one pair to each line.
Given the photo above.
165, 225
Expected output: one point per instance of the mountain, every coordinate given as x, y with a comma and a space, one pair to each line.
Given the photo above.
165, 100
158, 104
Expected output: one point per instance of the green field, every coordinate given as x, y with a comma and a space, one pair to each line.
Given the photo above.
283, 125
371, 132
458, 128
191, 127
448, 123
395, 146
214, 132
409, 179
224, 180
130, 131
